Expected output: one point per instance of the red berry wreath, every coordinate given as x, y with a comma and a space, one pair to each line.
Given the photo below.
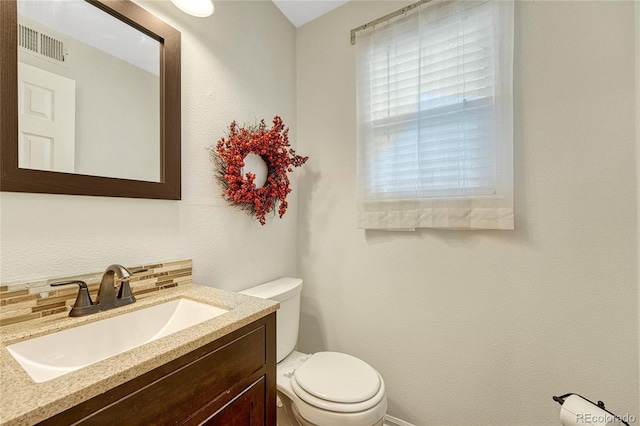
272, 146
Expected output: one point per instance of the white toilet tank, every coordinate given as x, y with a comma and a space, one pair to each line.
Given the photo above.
287, 292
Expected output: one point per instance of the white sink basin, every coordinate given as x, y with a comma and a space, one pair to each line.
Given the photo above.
50, 356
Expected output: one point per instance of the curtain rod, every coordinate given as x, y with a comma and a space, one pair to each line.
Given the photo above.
385, 18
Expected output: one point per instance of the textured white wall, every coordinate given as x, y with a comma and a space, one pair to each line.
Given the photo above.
237, 64
483, 327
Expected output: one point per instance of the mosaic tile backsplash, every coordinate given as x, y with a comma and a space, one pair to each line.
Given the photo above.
35, 299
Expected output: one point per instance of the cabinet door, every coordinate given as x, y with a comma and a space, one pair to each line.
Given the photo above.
246, 409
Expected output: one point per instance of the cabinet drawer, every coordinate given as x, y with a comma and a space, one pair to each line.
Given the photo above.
174, 397
246, 409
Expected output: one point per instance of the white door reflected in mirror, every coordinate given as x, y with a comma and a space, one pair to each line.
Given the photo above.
46, 119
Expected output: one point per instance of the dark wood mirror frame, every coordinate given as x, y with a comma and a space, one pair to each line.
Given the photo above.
15, 179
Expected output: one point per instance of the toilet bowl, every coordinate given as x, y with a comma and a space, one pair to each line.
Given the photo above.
324, 388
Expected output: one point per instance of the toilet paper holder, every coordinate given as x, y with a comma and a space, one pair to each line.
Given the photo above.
600, 404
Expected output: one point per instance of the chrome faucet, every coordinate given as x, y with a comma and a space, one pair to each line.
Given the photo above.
106, 298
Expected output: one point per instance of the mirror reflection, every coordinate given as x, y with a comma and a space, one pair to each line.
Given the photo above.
88, 92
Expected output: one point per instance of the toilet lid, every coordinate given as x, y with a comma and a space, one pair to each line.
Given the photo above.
338, 377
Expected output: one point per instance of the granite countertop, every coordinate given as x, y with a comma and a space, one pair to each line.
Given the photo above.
24, 402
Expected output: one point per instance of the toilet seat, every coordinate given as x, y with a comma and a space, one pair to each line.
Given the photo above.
338, 382
316, 415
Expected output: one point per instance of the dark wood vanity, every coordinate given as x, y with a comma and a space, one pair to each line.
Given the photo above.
230, 381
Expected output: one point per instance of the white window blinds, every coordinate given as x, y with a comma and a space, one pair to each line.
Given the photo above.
435, 130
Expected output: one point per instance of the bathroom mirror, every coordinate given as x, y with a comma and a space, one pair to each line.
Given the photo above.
87, 111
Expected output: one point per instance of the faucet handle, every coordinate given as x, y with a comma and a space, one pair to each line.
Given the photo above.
84, 305
125, 295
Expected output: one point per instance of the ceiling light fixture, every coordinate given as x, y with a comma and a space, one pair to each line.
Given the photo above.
199, 8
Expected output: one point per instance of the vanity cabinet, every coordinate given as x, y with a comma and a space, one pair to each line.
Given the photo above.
230, 381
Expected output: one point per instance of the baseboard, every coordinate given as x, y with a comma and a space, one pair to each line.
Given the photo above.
392, 421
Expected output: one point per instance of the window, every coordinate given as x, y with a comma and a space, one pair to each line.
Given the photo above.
435, 130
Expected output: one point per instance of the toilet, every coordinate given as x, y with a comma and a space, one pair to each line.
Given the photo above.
324, 388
